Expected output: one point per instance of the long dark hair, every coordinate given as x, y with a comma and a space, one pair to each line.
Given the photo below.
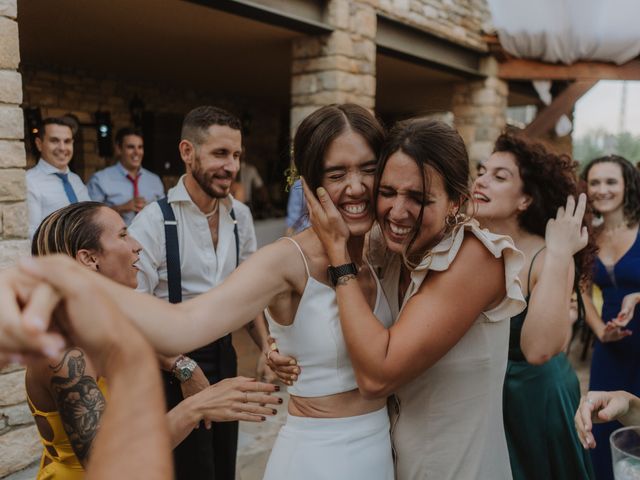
319, 129
631, 177
434, 143
316, 132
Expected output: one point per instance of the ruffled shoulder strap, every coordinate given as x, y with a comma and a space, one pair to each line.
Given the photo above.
443, 254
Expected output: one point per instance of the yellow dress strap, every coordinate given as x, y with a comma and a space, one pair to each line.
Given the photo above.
39, 413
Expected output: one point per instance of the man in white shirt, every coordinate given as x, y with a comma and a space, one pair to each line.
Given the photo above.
50, 184
210, 244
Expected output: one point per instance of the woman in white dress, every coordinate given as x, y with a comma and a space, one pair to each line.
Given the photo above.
452, 288
333, 431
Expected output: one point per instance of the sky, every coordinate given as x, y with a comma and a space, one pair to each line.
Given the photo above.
600, 108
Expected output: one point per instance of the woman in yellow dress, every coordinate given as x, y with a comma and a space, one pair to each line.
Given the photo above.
67, 397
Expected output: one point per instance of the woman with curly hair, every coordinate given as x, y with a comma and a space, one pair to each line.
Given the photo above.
613, 186
527, 192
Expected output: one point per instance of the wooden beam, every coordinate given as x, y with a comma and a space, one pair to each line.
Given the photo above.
522, 69
304, 16
561, 105
399, 40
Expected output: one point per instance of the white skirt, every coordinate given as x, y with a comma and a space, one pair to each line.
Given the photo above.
349, 448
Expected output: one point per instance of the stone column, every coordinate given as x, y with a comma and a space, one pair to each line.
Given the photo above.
19, 444
339, 67
479, 109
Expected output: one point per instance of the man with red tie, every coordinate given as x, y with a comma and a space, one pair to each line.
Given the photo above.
50, 184
126, 186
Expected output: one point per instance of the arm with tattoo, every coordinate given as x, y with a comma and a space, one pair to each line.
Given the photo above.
79, 401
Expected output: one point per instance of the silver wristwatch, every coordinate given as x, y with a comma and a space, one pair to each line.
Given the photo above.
183, 368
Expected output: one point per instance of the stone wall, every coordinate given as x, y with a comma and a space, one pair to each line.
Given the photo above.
57, 92
461, 21
336, 68
19, 444
13, 210
479, 109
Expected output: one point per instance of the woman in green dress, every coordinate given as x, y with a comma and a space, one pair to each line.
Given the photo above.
518, 192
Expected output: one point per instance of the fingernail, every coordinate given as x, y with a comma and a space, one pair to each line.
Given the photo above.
296, 370
51, 351
277, 388
292, 362
38, 323
279, 400
321, 191
294, 377
54, 347
274, 411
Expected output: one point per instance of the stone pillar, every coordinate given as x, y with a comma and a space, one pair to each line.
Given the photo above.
19, 444
336, 68
479, 108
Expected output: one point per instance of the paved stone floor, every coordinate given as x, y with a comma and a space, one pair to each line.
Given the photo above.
256, 439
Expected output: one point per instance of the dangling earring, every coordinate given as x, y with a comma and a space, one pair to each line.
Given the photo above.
450, 220
461, 218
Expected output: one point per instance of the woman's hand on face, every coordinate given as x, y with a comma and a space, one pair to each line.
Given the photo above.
327, 222
565, 235
232, 399
599, 407
627, 309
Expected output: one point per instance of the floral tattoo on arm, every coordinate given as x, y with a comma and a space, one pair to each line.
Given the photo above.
79, 400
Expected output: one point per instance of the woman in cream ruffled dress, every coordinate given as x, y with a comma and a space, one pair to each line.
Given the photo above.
452, 288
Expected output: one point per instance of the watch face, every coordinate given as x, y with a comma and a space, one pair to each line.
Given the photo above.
185, 373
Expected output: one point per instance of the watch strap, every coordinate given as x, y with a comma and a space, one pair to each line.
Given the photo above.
335, 273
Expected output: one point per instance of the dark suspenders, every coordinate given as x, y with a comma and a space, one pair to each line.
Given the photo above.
174, 278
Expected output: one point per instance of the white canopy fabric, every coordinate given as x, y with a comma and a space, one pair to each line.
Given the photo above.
568, 30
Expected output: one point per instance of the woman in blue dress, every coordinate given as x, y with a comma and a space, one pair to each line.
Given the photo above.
613, 187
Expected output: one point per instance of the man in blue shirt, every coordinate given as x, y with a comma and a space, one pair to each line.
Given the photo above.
126, 186
50, 184
297, 217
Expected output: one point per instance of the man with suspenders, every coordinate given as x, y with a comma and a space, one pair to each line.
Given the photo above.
192, 240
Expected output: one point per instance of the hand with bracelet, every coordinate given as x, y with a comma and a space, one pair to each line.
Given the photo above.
189, 374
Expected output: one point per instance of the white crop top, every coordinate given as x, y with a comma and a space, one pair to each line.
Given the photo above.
315, 338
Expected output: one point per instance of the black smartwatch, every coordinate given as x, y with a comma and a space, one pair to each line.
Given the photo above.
335, 273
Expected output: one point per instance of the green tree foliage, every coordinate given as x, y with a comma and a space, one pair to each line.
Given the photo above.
597, 143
